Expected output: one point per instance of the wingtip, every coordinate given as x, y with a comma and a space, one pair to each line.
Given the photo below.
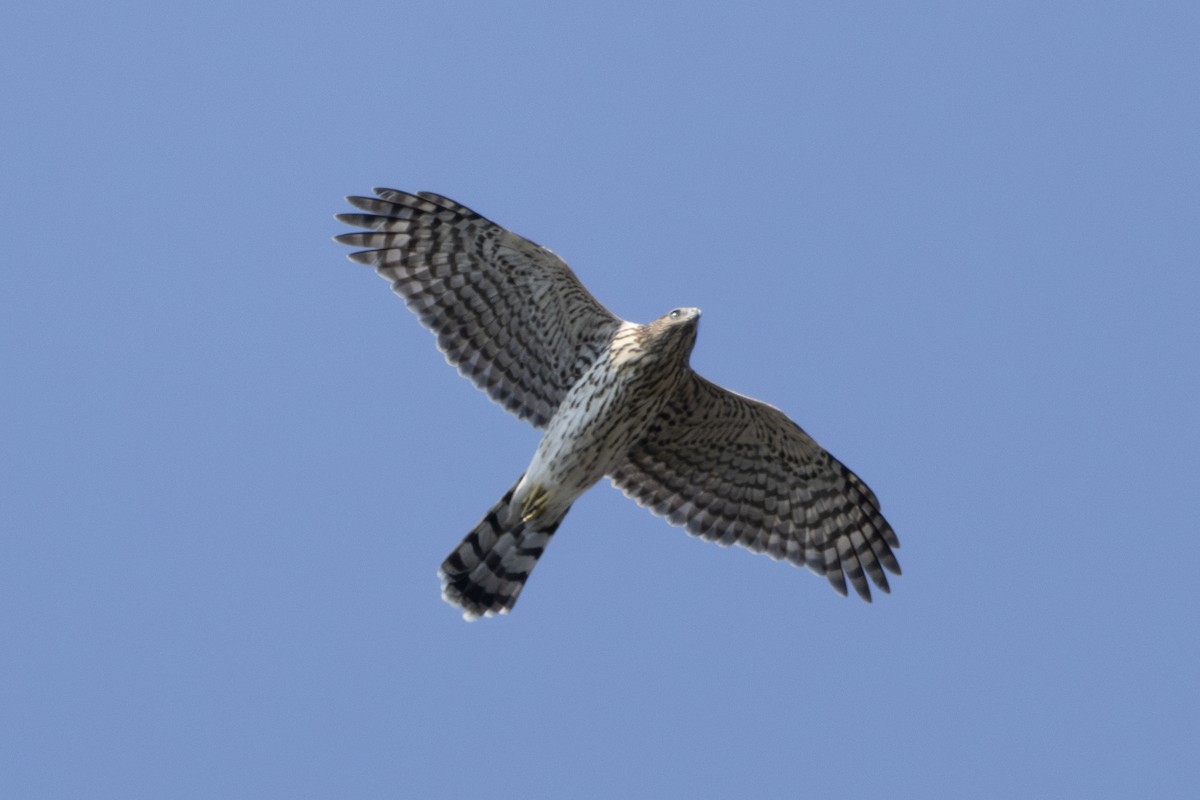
366, 257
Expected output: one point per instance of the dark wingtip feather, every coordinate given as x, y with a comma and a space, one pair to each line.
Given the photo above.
368, 257
368, 203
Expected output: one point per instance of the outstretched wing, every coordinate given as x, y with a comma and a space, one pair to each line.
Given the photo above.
733, 470
508, 313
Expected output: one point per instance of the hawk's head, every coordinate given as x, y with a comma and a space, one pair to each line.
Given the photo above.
673, 334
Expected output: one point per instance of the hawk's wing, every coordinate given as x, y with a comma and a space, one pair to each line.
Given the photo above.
733, 470
507, 312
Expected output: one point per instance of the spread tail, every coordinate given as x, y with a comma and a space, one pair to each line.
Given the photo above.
487, 570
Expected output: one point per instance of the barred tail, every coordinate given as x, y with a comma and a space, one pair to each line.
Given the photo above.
486, 572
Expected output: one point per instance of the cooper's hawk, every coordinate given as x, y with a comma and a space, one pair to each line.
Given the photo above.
616, 399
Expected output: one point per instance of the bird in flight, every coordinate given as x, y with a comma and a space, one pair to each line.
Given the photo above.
615, 399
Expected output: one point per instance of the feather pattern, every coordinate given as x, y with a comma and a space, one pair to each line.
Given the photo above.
507, 312
615, 398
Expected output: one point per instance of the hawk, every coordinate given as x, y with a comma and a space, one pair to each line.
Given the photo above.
615, 399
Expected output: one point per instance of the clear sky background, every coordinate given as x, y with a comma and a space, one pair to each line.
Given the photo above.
958, 242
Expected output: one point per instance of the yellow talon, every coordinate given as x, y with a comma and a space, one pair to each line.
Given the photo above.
535, 503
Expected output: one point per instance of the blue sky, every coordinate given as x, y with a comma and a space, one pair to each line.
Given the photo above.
958, 243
